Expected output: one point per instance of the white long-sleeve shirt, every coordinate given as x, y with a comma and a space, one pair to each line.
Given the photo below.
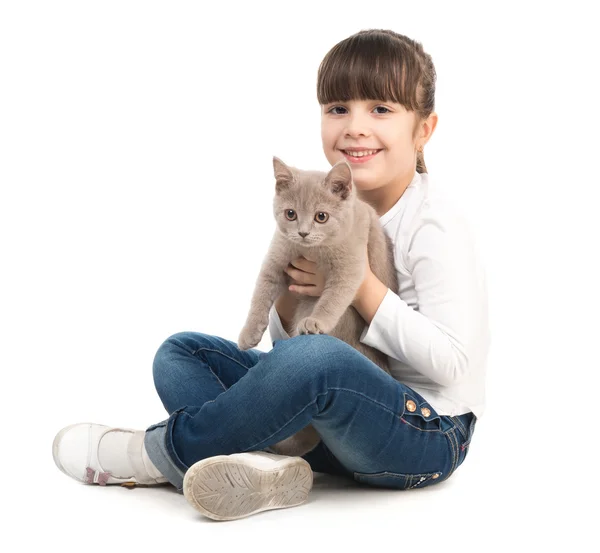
436, 330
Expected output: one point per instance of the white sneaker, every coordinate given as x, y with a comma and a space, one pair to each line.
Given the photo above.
121, 460
228, 487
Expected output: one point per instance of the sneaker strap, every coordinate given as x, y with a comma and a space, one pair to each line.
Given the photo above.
134, 451
95, 473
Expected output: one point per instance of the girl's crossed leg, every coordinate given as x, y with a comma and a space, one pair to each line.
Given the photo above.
223, 400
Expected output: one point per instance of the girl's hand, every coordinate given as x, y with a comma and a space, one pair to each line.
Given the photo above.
306, 279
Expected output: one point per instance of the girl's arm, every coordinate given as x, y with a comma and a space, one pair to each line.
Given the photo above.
369, 297
281, 315
447, 334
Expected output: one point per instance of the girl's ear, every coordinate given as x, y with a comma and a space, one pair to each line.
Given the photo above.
283, 176
339, 179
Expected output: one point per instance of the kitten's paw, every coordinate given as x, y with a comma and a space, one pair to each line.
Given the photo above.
248, 339
310, 325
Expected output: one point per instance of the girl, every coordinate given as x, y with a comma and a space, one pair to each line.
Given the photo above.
410, 430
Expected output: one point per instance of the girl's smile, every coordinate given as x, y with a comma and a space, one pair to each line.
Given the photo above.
359, 157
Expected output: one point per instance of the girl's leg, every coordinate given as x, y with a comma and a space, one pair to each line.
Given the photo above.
381, 431
191, 369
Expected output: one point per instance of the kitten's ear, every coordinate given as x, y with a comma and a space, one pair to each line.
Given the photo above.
283, 176
339, 179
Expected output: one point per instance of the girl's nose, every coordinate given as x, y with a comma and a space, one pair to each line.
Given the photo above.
357, 125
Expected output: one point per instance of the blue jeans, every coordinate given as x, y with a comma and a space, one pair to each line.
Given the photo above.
223, 400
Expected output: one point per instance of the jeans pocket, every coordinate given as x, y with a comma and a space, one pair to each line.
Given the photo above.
398, 480
420, 415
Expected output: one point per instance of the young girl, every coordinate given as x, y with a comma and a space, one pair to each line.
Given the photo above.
410, 430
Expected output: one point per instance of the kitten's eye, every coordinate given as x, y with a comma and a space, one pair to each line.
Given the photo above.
321, 217
290, 215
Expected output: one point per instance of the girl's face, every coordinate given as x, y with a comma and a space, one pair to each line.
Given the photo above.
375, 125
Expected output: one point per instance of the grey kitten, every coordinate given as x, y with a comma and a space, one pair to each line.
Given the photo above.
319, 216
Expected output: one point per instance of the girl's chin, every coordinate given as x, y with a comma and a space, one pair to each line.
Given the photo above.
364, 185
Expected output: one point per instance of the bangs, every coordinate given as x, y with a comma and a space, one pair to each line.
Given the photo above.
369, 67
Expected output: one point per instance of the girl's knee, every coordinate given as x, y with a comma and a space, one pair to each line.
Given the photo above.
186, 339
172, 349
315, 344
313, 352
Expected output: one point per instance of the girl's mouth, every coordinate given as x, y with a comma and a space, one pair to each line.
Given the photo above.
360, 159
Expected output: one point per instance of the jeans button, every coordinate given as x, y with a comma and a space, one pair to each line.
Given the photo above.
426, 412
411, 405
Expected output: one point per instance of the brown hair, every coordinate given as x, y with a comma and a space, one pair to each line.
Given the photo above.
378, 64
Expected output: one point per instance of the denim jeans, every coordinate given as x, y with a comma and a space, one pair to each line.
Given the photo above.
223, 400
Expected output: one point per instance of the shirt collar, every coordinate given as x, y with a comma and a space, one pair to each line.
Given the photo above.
400, 205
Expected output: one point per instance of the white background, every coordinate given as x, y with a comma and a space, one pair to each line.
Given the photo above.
136, 145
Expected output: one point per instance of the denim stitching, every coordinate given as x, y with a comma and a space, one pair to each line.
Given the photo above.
400, 416
412, 477
437, 415
286, 424
423, 429
419, 482
170, 438
213, 373
367, 398
463, 428
452, 440
449, 436
384, 474
407, 477
224, 355
469, 435
195, 351
341, 390
456, 453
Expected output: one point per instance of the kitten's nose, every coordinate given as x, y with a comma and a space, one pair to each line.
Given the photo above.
304, 234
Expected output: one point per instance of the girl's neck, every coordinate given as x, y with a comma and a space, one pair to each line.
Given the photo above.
385, 197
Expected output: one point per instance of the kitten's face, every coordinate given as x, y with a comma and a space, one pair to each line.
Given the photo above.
311, 208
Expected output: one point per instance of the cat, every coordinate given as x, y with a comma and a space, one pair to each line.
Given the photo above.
319, 216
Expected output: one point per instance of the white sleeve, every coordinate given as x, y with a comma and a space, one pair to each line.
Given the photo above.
442, 334
276, 329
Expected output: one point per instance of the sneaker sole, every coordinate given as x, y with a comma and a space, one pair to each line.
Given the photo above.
229, 488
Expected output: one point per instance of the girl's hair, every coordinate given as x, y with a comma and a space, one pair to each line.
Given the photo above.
378, 64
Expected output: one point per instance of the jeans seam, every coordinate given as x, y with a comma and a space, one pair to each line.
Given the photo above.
287, 423
462, 428
385, 407
175, 459
422, 429
454, 447
223, 354
322, 394
469, 435
195, 351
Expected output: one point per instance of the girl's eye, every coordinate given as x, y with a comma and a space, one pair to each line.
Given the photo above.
290, 215
378, 107
321, 217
